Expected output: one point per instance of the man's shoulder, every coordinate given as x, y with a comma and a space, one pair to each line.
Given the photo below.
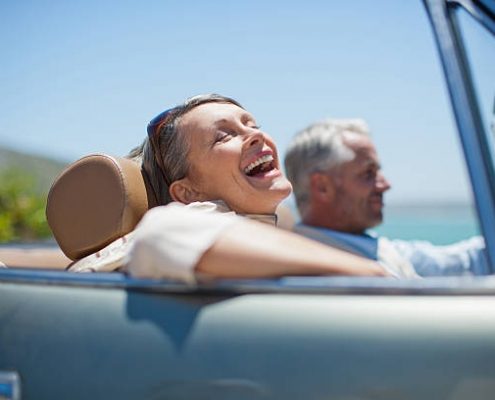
364, 244
319, 230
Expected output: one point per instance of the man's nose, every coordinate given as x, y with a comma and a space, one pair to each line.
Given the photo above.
382, 184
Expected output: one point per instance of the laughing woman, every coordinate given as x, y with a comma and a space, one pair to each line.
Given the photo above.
217, 176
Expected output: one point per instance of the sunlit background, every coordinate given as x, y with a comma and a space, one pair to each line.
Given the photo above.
86, 76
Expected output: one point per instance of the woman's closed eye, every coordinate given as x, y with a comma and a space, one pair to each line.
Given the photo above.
224, 136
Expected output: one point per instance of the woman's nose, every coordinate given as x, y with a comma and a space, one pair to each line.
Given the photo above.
255, 137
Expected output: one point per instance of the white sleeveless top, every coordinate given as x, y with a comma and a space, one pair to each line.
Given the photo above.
168, 242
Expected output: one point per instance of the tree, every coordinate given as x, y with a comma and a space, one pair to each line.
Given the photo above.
22, 208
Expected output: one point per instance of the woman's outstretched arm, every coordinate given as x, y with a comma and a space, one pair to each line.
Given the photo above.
176, 242
253, 250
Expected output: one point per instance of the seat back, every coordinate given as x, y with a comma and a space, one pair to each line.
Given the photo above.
94, 201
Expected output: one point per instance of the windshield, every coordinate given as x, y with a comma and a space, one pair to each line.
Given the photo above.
480, 51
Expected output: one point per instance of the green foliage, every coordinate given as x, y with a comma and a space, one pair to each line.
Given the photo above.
22, 208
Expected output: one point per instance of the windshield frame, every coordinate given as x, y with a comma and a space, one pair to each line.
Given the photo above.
467, 114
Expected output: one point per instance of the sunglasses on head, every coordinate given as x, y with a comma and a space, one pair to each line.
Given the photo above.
156, 122
153, 127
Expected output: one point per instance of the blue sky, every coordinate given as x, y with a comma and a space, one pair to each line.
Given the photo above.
86, 76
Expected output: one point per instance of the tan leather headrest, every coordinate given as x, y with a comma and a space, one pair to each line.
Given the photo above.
93, 202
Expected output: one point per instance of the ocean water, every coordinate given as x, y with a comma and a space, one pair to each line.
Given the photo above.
438, 223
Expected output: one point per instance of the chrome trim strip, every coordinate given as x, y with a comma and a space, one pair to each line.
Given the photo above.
451, 286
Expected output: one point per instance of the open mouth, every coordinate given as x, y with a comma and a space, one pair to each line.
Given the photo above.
260, 166
377, 201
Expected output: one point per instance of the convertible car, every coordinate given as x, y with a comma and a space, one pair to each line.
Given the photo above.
109, 336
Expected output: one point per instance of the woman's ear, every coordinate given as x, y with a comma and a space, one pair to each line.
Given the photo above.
183, 191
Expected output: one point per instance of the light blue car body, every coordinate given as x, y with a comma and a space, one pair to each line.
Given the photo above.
108, 336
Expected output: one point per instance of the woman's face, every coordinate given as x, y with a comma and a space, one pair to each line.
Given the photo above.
232, 160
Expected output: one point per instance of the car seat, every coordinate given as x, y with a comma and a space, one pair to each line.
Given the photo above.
94, 201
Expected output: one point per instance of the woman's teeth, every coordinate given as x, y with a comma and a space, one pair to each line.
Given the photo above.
268, 158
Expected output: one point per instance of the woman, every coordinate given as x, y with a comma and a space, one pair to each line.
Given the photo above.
210, 154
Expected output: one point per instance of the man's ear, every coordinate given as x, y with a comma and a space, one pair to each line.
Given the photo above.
322, 186
184, 192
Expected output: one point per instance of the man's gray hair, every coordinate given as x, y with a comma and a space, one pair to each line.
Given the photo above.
319, 147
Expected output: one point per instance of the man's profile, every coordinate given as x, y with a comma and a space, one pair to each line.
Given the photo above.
339, 186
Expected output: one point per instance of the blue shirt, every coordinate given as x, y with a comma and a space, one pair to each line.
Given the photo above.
463, 258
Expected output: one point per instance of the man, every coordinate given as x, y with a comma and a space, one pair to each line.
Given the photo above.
338, 184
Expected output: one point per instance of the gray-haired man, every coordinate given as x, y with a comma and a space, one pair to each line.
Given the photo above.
338, 184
